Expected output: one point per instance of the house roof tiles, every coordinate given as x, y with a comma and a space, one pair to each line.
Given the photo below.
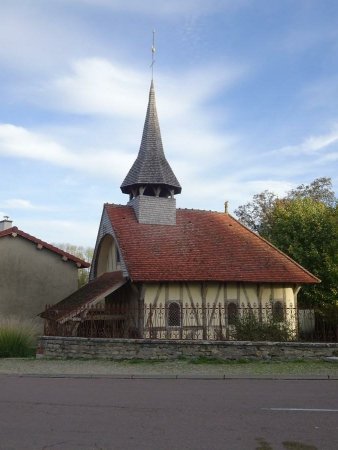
14, 231
203, 245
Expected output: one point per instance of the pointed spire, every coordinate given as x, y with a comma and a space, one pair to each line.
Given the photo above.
151, 173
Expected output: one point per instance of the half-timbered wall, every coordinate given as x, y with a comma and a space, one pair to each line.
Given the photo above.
204, 305
243, 294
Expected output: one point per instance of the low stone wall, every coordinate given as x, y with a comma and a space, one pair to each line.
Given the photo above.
115, 349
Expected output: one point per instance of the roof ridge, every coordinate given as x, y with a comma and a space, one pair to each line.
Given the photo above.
201, 210
44, 244
117, 204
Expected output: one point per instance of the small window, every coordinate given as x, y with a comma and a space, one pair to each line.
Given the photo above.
174, 315
232, 313
277, 312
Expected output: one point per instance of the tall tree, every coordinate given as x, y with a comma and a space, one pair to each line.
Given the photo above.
303, 224
319, 190
256, 214
307, 230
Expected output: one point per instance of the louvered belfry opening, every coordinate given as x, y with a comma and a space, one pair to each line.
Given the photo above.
151, 183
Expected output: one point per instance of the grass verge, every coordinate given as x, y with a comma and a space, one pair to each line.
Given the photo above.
99, 367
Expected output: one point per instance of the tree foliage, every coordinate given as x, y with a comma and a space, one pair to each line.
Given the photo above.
320, 190
257, 214
303, 224
307, 230
85, 253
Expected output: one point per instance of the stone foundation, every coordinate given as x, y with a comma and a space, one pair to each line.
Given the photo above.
118, 349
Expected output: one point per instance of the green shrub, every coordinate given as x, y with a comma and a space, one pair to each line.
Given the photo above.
17, 337
326, 323
249, 327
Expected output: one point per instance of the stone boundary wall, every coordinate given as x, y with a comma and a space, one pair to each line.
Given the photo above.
118, 349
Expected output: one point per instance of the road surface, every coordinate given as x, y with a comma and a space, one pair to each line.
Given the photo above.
167, 414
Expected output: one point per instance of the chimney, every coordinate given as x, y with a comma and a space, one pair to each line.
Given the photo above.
5, 223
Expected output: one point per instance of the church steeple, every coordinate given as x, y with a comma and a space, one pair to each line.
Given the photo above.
151, 174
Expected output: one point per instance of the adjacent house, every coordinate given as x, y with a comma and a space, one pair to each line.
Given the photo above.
174, 273
33, 273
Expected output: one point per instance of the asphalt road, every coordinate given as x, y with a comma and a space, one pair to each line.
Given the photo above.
106, 413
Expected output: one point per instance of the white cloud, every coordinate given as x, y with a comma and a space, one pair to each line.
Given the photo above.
17, 203
332, 156
211, 194
17, 141
68, 231
20, 142
96, 86
24, 204
37, 38
193, 141
311, 144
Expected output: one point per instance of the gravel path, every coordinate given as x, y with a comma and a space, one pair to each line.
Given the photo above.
45, 367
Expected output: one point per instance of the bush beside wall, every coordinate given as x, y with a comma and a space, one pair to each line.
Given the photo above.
17, 337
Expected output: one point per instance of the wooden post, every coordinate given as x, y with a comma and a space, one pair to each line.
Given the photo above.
141, 311
204, 309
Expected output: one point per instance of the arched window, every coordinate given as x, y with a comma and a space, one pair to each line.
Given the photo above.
232, 313
277, 311
108, 257
174, 314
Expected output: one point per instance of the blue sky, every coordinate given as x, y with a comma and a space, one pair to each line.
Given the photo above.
247, 97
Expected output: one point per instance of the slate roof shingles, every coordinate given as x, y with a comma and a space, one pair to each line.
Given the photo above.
151, 166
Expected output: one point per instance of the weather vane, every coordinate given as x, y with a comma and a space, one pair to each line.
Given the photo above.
153, 50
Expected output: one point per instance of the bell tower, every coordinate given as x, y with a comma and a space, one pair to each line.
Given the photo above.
151, 183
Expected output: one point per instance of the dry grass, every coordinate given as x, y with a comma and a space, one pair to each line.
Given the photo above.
17, 337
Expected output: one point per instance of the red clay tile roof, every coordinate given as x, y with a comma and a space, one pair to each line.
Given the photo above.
203, 245
14, 230
95, 290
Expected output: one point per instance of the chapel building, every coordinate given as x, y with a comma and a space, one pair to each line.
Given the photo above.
198, 267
